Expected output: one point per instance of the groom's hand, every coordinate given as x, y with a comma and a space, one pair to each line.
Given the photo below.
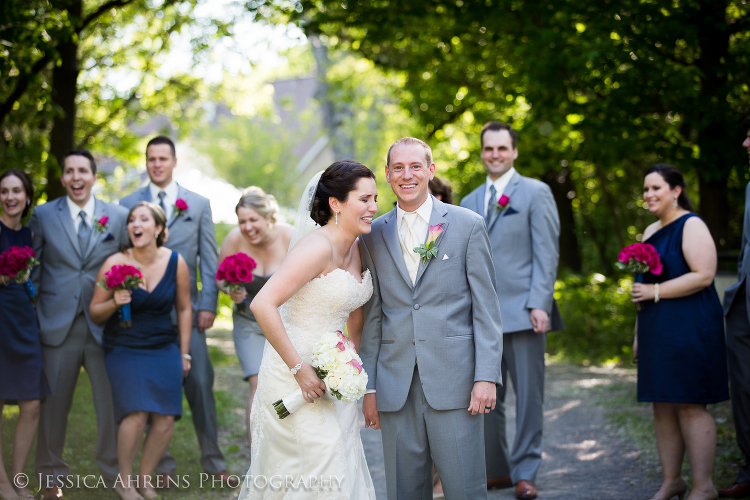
370, 411
483, 397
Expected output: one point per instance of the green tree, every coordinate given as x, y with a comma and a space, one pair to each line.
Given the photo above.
598, 91
85, 73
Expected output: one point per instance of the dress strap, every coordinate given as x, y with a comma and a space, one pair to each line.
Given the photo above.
172, 266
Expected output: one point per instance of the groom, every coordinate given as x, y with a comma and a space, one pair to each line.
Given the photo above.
432, 335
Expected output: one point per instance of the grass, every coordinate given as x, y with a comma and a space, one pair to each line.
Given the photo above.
634, 421
230, 393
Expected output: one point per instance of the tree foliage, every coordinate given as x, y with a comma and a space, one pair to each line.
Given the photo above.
88, 73
597, 90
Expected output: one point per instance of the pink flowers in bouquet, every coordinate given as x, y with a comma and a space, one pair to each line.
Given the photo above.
338, 365
17, 263
639, 258
236, 271
122, 277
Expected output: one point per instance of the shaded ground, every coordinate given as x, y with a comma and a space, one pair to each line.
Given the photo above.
598, 442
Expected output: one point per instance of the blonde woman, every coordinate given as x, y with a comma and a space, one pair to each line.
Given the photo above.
261, 236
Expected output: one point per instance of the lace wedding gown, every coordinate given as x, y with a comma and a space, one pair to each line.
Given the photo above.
316, 452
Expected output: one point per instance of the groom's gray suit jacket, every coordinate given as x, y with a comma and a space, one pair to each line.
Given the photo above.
448, 321
66, 278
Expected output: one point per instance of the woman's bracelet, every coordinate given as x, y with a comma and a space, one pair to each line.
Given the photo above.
187, 357
296, 368
656, 293
2, 276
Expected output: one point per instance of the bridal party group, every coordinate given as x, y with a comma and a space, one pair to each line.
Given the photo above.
114, 288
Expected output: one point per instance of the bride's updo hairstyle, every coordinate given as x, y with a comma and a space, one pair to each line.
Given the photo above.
674, 178
337, 181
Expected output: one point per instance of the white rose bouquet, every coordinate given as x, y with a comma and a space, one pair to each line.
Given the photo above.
338, 365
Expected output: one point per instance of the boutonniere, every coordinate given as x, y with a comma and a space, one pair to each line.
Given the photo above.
428, 249
180, 207
503, 203
102, 225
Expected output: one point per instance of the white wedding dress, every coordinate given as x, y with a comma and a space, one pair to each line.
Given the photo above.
316, 452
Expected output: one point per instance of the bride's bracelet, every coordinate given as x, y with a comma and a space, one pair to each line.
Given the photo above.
656, 293
296, 368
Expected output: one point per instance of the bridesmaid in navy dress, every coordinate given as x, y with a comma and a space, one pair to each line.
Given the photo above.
146, 363
680, 336
266, 240
22, 377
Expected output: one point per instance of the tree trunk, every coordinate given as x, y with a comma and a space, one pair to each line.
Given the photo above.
561, 185
64, 92
335, 114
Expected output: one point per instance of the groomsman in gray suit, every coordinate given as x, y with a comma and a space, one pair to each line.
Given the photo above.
523, 228
192, 235
736, 307
71, 245
432, 335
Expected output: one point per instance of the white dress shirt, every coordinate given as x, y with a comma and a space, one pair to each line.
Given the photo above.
88, 208
169, 200
421, 225
500, 184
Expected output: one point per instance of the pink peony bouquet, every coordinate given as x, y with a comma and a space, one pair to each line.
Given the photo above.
17, 263
122, 277
639, 258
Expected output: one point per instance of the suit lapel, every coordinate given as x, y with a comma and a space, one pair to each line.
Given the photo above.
390, 235
509, 193
63, 212
146, 193
181, 193
99, 212
436, 217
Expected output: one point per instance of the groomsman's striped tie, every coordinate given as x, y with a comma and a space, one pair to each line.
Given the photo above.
491, 206
84, 233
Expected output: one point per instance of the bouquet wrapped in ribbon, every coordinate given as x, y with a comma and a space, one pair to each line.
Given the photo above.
123, 277
236, 271
17, 263
339, 366
639, 258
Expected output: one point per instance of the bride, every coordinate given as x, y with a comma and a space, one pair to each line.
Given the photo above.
316, 452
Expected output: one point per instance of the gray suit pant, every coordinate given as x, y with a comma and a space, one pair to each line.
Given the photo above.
62, 364
452, 437
199, 391
523, 360
738, 357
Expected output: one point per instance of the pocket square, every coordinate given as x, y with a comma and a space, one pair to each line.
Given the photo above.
109, 237
510, 211
445, 256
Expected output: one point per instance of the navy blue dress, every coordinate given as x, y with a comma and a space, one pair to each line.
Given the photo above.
681, 352
21, 368
143, 362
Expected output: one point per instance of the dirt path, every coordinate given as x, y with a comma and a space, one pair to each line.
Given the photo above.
583, 458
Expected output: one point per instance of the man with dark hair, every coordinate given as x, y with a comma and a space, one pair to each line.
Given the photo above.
192, 235
736, 307
523, 227
72, 243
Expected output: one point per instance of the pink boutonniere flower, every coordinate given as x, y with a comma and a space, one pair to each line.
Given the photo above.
428, 249
102, 224
180, 207
503, 203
